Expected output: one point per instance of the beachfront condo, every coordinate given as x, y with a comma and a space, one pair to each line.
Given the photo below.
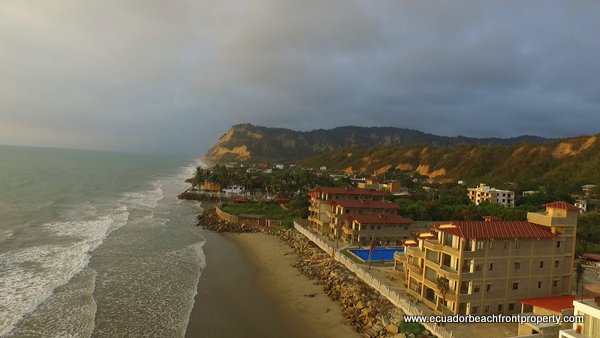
321, 197
491, 265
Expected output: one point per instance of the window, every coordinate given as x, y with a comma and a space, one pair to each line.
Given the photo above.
499, 307
491, 245
488, 287
517, 265
474, 309
491, 267
511, 307
478, 267
476, 287
505, 244
556, 264
517, 244
480, 245
486, 308
558, 244
515, 286
555, 283
541, 264
539, 285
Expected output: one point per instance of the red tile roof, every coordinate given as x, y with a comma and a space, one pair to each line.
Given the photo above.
562, 205
349, 191
591, 257
495, 229
555, 304
365, 204
380, 219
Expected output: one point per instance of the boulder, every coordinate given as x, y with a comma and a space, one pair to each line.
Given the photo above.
392, 328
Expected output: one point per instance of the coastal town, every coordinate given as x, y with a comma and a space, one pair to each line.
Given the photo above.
501, 253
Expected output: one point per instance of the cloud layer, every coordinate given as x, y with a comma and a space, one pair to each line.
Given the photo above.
174, 75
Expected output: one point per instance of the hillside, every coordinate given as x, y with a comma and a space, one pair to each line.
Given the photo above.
249, 143
569, 162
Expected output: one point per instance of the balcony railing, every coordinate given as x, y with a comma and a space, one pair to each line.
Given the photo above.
449, 272
434, 245
415, 251
348, 231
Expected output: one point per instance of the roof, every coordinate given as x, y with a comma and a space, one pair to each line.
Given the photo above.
495, 229
349, 191
380, 219
591, 257
555, 304
561, 205
365, 204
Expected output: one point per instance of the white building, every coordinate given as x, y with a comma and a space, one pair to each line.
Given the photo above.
589, 309
581, 204
484, 193
234, 190
529, 192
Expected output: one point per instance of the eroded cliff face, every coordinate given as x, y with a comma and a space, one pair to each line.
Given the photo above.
246, 142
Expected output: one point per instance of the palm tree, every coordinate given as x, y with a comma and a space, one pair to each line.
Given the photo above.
579, 277
443, 285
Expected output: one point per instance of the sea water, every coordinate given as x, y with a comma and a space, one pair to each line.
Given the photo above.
96, 244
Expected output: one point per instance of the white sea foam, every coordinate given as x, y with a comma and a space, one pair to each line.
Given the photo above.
145, 199
29, 275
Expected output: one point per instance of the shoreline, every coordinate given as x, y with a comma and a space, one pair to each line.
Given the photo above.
298, 296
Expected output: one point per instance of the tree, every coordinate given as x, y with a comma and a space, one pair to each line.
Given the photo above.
443, 285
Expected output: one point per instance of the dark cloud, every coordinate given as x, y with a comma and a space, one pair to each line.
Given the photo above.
174, 75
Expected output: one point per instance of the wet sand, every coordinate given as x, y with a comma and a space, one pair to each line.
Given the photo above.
250, 289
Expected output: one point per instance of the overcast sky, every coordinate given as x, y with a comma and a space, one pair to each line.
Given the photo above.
172, 76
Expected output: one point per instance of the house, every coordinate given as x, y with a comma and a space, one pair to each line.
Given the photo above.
373, 183
588, 188
234, 190
589, 309
484, 193
582, 205
558, 306
490, 265
210, 186
279, 166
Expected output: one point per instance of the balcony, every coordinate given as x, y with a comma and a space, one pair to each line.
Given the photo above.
414, 251
415, 269
449, 272
450, 251
399, 256
330, 214
316, 220
433, 245
348, 231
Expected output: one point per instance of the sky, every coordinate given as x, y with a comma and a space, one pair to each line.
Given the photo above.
173, 76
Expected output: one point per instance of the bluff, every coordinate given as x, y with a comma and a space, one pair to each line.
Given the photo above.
249, 143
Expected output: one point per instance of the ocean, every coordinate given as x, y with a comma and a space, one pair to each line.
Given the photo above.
96, 244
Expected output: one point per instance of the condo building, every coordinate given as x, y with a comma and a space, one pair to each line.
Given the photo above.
491, 265
590, 328
484, 193
357, 216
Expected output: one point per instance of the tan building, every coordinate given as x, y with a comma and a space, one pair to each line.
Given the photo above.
490, 265
321, 197
486, 193
357, 216
391, 186
389, 229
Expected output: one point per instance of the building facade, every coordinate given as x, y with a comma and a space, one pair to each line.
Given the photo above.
357, 216
490, 265
484, 193
590, 328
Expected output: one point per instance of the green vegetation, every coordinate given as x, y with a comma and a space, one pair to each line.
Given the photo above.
415, 328
296, 208
279, 182
588, 232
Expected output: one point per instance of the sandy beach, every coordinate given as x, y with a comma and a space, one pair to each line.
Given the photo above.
250, 289
299, 296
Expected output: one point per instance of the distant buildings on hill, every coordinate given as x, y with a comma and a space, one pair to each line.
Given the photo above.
484, 193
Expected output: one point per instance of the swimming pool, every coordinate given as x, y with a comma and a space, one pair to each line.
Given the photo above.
379, 254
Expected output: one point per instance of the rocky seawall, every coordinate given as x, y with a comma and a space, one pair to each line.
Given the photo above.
364, 309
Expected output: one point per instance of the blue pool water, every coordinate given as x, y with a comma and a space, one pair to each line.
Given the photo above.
379, 254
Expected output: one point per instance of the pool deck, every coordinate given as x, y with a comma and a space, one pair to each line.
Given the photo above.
394, 280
